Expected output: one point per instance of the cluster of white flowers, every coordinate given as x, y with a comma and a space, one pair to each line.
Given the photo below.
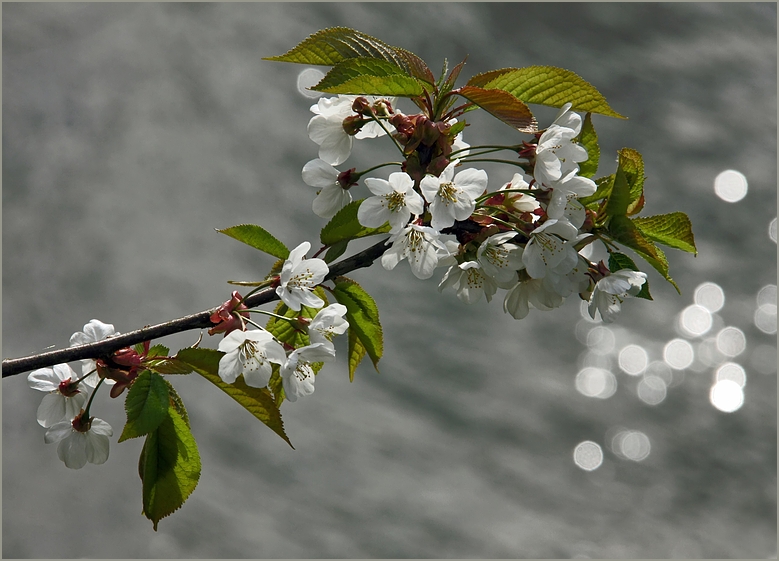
61, 411
538, 263
253, 353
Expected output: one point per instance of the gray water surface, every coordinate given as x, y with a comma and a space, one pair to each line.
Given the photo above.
131, 131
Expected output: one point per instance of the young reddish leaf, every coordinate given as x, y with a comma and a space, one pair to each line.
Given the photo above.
673, 230
588, 138
146, 405
362, 315
546, 85
169, 467
501, 105
258, 238
257, 401
345, 226
369, 76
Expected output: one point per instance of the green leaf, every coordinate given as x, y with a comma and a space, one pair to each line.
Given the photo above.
356, 352
546, 85
588, 138
369, 76
619, 198
176, 403
632, 164
603, 190
330, 46
501, 105
673, 230
625, 232
286, 331
336, 250
169, 366
619, 261
258, 238
362, 315
344, 226
257, 401
146, 405
169, 467
158, 350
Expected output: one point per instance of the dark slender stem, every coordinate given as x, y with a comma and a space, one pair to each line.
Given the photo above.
200, 320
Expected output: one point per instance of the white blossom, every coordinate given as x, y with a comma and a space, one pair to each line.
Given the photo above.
297, 375
64, 398
499, 258
563, 203
611, 290
332, 197
556, 153
77, 446
470, 281
551, 246
452, 197
328, 323
249, 353
299, 277
326, 128
420, 244
394, 201
94, 331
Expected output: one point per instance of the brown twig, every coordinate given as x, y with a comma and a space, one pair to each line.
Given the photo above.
200, 320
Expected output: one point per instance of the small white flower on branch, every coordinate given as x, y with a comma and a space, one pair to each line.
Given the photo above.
452, 197
249, 353
297, 375
299, 277
332, 197
80, 441
394, 201
65, 396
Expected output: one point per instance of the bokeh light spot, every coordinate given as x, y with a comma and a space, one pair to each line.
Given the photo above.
588, 455
731, 186
733, 372
660, 369
601, 340
678, 354
710, 295
633, 360
767, 295
596, 382
765, 318
652, 390
632, 445
772, 230
308, 78
695, 320
731, 341
727, 396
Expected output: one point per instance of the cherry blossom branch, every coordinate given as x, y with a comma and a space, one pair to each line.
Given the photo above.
200, 320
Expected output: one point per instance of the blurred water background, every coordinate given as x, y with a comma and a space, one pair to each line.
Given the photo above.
131, 131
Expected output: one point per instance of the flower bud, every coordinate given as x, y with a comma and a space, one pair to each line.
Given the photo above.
348, 178
362, 106
353, 124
